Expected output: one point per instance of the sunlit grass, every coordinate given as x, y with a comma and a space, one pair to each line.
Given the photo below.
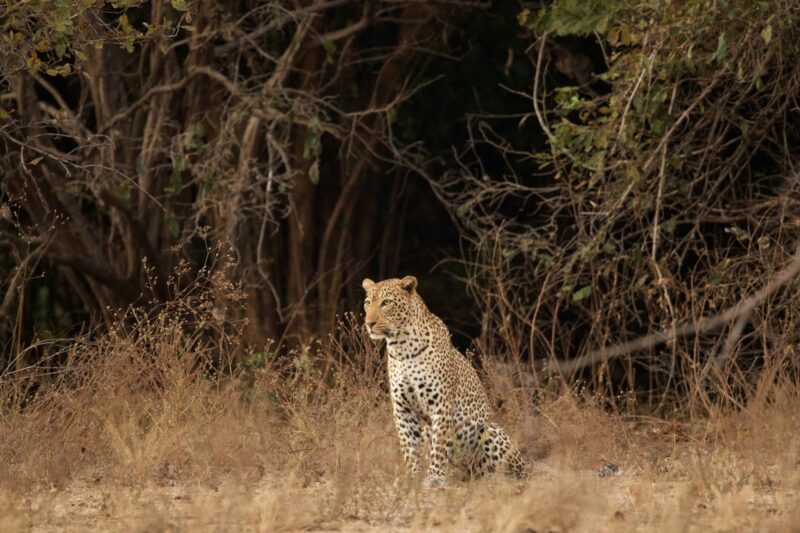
135, 435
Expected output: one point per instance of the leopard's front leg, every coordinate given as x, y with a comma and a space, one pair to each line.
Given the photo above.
441, 433
409, 430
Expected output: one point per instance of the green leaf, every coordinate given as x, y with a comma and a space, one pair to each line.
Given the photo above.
35, 161
193, 136
601, 25
313, 172
180, 5
176, 178
124, 190
61, 70
523, 16
311, 146
582, 293
766, 34
176, 181
330, 48
722, 48
173, 227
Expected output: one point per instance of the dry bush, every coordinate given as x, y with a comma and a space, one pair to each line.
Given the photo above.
105, 114
142, 428
664, 195
149, 404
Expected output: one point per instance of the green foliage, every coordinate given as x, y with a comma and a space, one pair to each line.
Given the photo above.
312, 150
180, 5
653, 49
55, 36
194, 137
174, 227
577, 17
582, 293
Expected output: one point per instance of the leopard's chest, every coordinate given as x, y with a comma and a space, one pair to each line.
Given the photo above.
414, 385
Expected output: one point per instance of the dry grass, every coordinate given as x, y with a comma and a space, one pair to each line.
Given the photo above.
132, 434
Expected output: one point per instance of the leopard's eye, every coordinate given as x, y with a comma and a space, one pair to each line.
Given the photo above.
366, 303
385, 303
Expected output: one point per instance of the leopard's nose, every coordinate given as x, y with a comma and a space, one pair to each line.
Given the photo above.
371, 323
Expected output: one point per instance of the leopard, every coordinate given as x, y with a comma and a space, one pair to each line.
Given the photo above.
437, 397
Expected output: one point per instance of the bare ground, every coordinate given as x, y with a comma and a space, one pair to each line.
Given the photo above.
728, 496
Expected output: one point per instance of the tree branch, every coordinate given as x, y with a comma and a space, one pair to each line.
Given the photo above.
704, 325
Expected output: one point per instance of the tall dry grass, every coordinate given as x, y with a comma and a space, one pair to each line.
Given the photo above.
152, 426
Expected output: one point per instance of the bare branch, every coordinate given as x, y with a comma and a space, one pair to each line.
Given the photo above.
705, 325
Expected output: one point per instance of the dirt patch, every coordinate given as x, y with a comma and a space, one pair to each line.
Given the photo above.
553, 499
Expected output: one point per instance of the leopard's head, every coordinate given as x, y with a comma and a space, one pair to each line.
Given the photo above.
390, 307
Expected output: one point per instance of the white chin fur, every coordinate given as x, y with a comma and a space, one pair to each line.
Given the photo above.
376, 336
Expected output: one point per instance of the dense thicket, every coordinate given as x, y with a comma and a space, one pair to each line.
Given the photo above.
142, 140
586, 171
669, 196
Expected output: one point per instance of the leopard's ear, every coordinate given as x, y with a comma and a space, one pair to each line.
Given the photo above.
409, 284
367, 284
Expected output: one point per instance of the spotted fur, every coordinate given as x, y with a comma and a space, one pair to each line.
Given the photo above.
436, 394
